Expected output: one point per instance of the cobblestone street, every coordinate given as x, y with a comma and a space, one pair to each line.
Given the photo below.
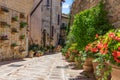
48, 67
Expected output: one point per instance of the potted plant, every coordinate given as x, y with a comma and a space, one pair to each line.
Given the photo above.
14, 46
4, 9
14, 30
4, 37
4, 24
21, 49
15, 18
22, 37
114, 53
22, 16
31, 53
23, 24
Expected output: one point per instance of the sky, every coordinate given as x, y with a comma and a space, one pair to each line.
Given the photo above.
66, 6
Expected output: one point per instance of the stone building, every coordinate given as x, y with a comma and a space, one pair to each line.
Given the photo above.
111, 6
13, 28
45, 22
63, 28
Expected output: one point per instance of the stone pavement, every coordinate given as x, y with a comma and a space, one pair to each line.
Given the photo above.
48, 67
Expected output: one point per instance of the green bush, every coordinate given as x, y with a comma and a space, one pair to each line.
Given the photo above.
87, 24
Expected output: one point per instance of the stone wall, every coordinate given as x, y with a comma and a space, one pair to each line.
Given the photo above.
13, 29
112, 7
18, 5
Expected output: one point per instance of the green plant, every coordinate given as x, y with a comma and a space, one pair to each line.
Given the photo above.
14, 45
23, 24
22, 15
15, 18
88, 23
4, 24
22, 36
4, 9
14, 30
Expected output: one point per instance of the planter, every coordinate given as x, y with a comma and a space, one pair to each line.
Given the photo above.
71, 58
106, 68
87, 66
38, 54
115, 74
31, 53
78, 63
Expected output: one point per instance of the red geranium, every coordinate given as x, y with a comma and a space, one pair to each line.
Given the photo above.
117, 38
116, 55
94, 50
111, 35
100, 45
103, 51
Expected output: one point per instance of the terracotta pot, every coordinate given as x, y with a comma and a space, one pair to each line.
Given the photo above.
88, 62
31, 53
115, 74
37, 55
95, 64
87, 66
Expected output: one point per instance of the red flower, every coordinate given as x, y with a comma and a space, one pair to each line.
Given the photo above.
94, 50
117, 38
111, 35
105, 45
119, 48
116, 55
100, 45
97, 36
103, 51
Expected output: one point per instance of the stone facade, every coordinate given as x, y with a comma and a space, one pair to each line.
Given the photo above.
13, 28
45, 29
111, 6
63, 27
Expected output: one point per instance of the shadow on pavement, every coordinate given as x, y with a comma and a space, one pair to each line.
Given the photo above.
11, 61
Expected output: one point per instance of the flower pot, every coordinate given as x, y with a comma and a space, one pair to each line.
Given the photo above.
106, 68
31, 53
115, 74
88, 62
87, 66
37, 54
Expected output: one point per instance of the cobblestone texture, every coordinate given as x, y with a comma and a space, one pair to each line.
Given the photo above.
48, 67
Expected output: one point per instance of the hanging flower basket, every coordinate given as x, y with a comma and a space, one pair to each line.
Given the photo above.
4, 9
22, 16
4, 37
14, 46
15, 18
4, 24
14, 30
23, 24
22, 37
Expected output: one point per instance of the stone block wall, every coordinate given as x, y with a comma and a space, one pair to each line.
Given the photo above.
111, 6
13, 29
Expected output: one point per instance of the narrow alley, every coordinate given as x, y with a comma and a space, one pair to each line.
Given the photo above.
48, 67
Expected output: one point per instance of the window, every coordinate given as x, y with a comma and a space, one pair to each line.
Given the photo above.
58, 19
52, 30
48, 3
